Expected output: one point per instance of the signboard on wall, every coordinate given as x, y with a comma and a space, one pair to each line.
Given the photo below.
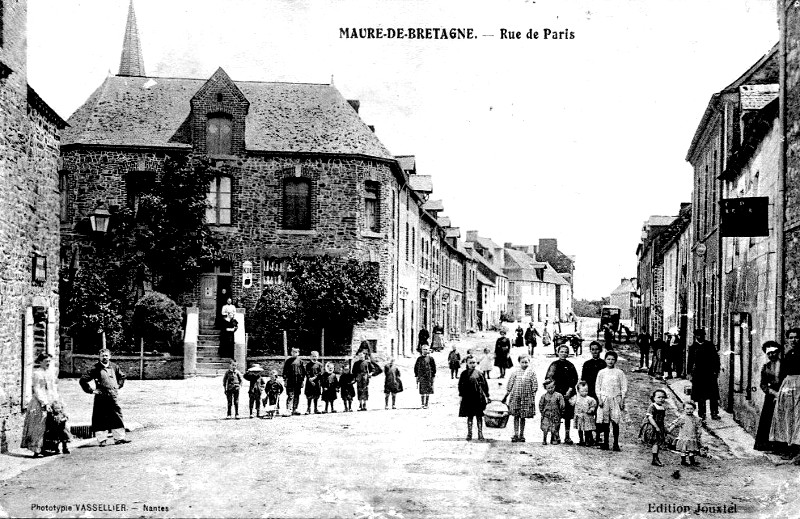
247, 274
744, 217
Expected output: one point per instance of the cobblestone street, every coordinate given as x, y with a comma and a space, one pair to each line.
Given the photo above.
186, 460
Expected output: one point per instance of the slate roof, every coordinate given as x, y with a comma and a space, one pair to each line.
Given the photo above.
452, 232
756, 97
483, 280
407, 162
444, 221
489, 266
655, 220
624, 288
526, 268
283, 117
433, 205
487, 243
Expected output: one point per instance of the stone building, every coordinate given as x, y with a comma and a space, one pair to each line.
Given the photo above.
672, 255
715, 139
494, 283
650, 276
303, 175
29, 238
749, 273
621, 297
535, 289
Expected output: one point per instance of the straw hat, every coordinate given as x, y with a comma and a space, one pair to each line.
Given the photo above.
255, 367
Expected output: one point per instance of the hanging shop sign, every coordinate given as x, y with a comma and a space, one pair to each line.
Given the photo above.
744, 216
247, 274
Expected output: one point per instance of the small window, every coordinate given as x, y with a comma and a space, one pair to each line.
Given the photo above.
371, 198
63, 189
297, 203
218, 136
218, 206
137, 183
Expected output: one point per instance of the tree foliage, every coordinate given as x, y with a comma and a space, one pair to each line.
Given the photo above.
277, 309
156, 317
337, 292
159, 245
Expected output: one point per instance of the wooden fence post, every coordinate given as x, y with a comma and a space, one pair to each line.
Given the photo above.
322, 344
141, 358
285, 344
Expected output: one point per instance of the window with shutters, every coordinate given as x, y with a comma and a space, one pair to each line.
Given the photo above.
218, 135
297, 203
371, 197
218, 203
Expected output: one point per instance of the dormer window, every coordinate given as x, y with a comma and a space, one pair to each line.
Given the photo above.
218, 135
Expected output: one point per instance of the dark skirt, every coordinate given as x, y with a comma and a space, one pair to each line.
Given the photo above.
650, 435
329, 394
348, 392
106, 414
362, 383
762, 435
471, 406
312, 389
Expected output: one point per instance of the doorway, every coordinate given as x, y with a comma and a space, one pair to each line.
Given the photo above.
740, 373
215, 289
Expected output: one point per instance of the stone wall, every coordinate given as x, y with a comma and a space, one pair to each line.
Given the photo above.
28, 220
791, 37
155, 368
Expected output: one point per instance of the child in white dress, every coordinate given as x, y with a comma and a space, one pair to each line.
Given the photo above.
611, 387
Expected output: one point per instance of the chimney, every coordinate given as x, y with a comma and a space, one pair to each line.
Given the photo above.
472, 235
355, 103
623, 281
508, 245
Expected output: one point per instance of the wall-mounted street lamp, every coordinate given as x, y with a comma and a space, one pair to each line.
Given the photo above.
99, 219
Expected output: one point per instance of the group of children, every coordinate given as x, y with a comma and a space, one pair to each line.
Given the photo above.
596, 402
326, 383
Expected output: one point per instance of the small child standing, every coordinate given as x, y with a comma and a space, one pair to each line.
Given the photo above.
425, 372
232, 383
585, 414
257, 384
313, 375
391, 382
454, 361
486, 363
330, 386
272, 391
689, 426
612, 387
473, 393
346, 383
551, 406
652, 430
521, 396
56, 430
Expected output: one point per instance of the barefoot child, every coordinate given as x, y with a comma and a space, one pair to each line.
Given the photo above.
551, 405
521, 396
473, 394
454, 361
329, 383
391, 382
346, 382
689, 426
56, 430
585, 414
612, 387
652, 431
425, 371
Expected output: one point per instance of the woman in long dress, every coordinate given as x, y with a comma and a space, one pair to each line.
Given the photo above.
44, 394
770, 382
785, 426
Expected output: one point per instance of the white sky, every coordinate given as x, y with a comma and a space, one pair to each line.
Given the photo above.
580, 140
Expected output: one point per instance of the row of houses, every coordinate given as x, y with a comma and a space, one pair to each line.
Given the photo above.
300, 173
728, 262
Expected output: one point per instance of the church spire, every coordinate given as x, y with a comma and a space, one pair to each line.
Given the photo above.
131, 63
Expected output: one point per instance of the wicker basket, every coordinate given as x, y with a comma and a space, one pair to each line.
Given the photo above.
496, 415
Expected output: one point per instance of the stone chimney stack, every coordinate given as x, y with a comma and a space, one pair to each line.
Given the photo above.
472, 235
131, 63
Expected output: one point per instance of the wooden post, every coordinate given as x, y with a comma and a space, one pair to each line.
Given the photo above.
285, 344
322, 344
103, 338
141, 358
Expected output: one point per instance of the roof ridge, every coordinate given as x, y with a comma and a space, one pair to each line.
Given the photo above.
234, 80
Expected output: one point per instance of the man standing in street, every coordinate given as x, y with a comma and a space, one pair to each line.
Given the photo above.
106, 414
703, 368
422, 339
293, 374
643, 342
608, 338
530, 338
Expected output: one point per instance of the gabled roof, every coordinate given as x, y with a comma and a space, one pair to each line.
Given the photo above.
656, 221
452, 232
487, 243
433, 205
408, 163
443, 221
625, 288
421, 183
283, 117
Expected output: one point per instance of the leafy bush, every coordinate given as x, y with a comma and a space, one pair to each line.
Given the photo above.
156, 318
277, 309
